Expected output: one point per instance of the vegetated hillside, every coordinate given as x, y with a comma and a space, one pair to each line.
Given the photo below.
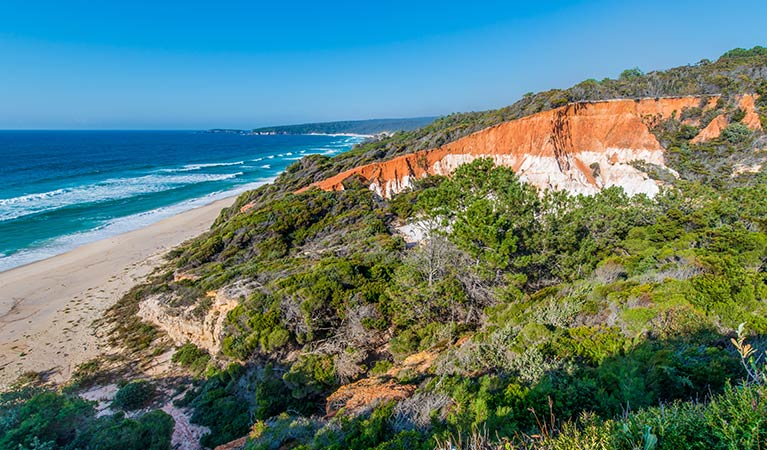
367, 127
736, 72
475, 307
579, 148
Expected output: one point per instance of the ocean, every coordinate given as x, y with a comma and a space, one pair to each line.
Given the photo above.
63, 189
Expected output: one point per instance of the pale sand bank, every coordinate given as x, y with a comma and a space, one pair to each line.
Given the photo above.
47, 308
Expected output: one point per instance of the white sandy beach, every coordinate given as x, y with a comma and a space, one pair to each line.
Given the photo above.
47, 308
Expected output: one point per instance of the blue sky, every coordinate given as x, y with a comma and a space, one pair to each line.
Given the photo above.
191, 65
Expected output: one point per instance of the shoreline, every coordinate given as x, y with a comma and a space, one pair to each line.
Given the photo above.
161, 213
47, 307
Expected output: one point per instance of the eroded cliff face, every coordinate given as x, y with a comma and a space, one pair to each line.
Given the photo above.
189, 324
712, 131
580, 148
751, 120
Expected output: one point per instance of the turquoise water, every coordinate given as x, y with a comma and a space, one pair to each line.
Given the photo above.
62, 189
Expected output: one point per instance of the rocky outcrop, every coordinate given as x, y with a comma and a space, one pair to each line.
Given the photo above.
247, 207
236, 444
712, 131
419, 363
360, 397
751, 119
187, 324
580, 148
357, 398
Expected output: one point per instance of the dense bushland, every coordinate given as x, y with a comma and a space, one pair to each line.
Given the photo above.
557, 305
601, 321
592, 305
736, 72
32, 418
534, 303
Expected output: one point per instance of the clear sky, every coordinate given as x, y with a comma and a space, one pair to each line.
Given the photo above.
186, 64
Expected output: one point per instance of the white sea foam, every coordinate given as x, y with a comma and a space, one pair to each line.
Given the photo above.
194, 167
206, 165
157, 180
114, 227
32, 197
112, 189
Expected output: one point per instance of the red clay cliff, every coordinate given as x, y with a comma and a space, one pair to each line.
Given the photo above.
580, 148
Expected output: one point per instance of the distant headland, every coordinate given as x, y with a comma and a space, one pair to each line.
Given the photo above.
348, 127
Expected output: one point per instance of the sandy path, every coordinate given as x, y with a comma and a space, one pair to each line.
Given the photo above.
47, 308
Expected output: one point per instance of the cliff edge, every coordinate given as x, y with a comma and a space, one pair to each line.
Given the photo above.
580, 148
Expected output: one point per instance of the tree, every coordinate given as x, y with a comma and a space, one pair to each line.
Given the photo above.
631, 73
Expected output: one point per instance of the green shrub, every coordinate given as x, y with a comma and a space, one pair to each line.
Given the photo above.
219, 405
381, 367
192, 357
311, 375
134, 395
735, 133
738, 115
589, 309
48, 420
151, 431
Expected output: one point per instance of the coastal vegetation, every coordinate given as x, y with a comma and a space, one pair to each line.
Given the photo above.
737, 71
365, 127
35, 418
552, 305
520, 319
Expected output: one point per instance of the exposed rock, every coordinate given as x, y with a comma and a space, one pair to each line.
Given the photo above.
419, 363
182, 325
411, 232
741, 169
103, 396
712, 130
236, 444
751, 119
186, 436
247, 207
554, 149
359, 397
181, 276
